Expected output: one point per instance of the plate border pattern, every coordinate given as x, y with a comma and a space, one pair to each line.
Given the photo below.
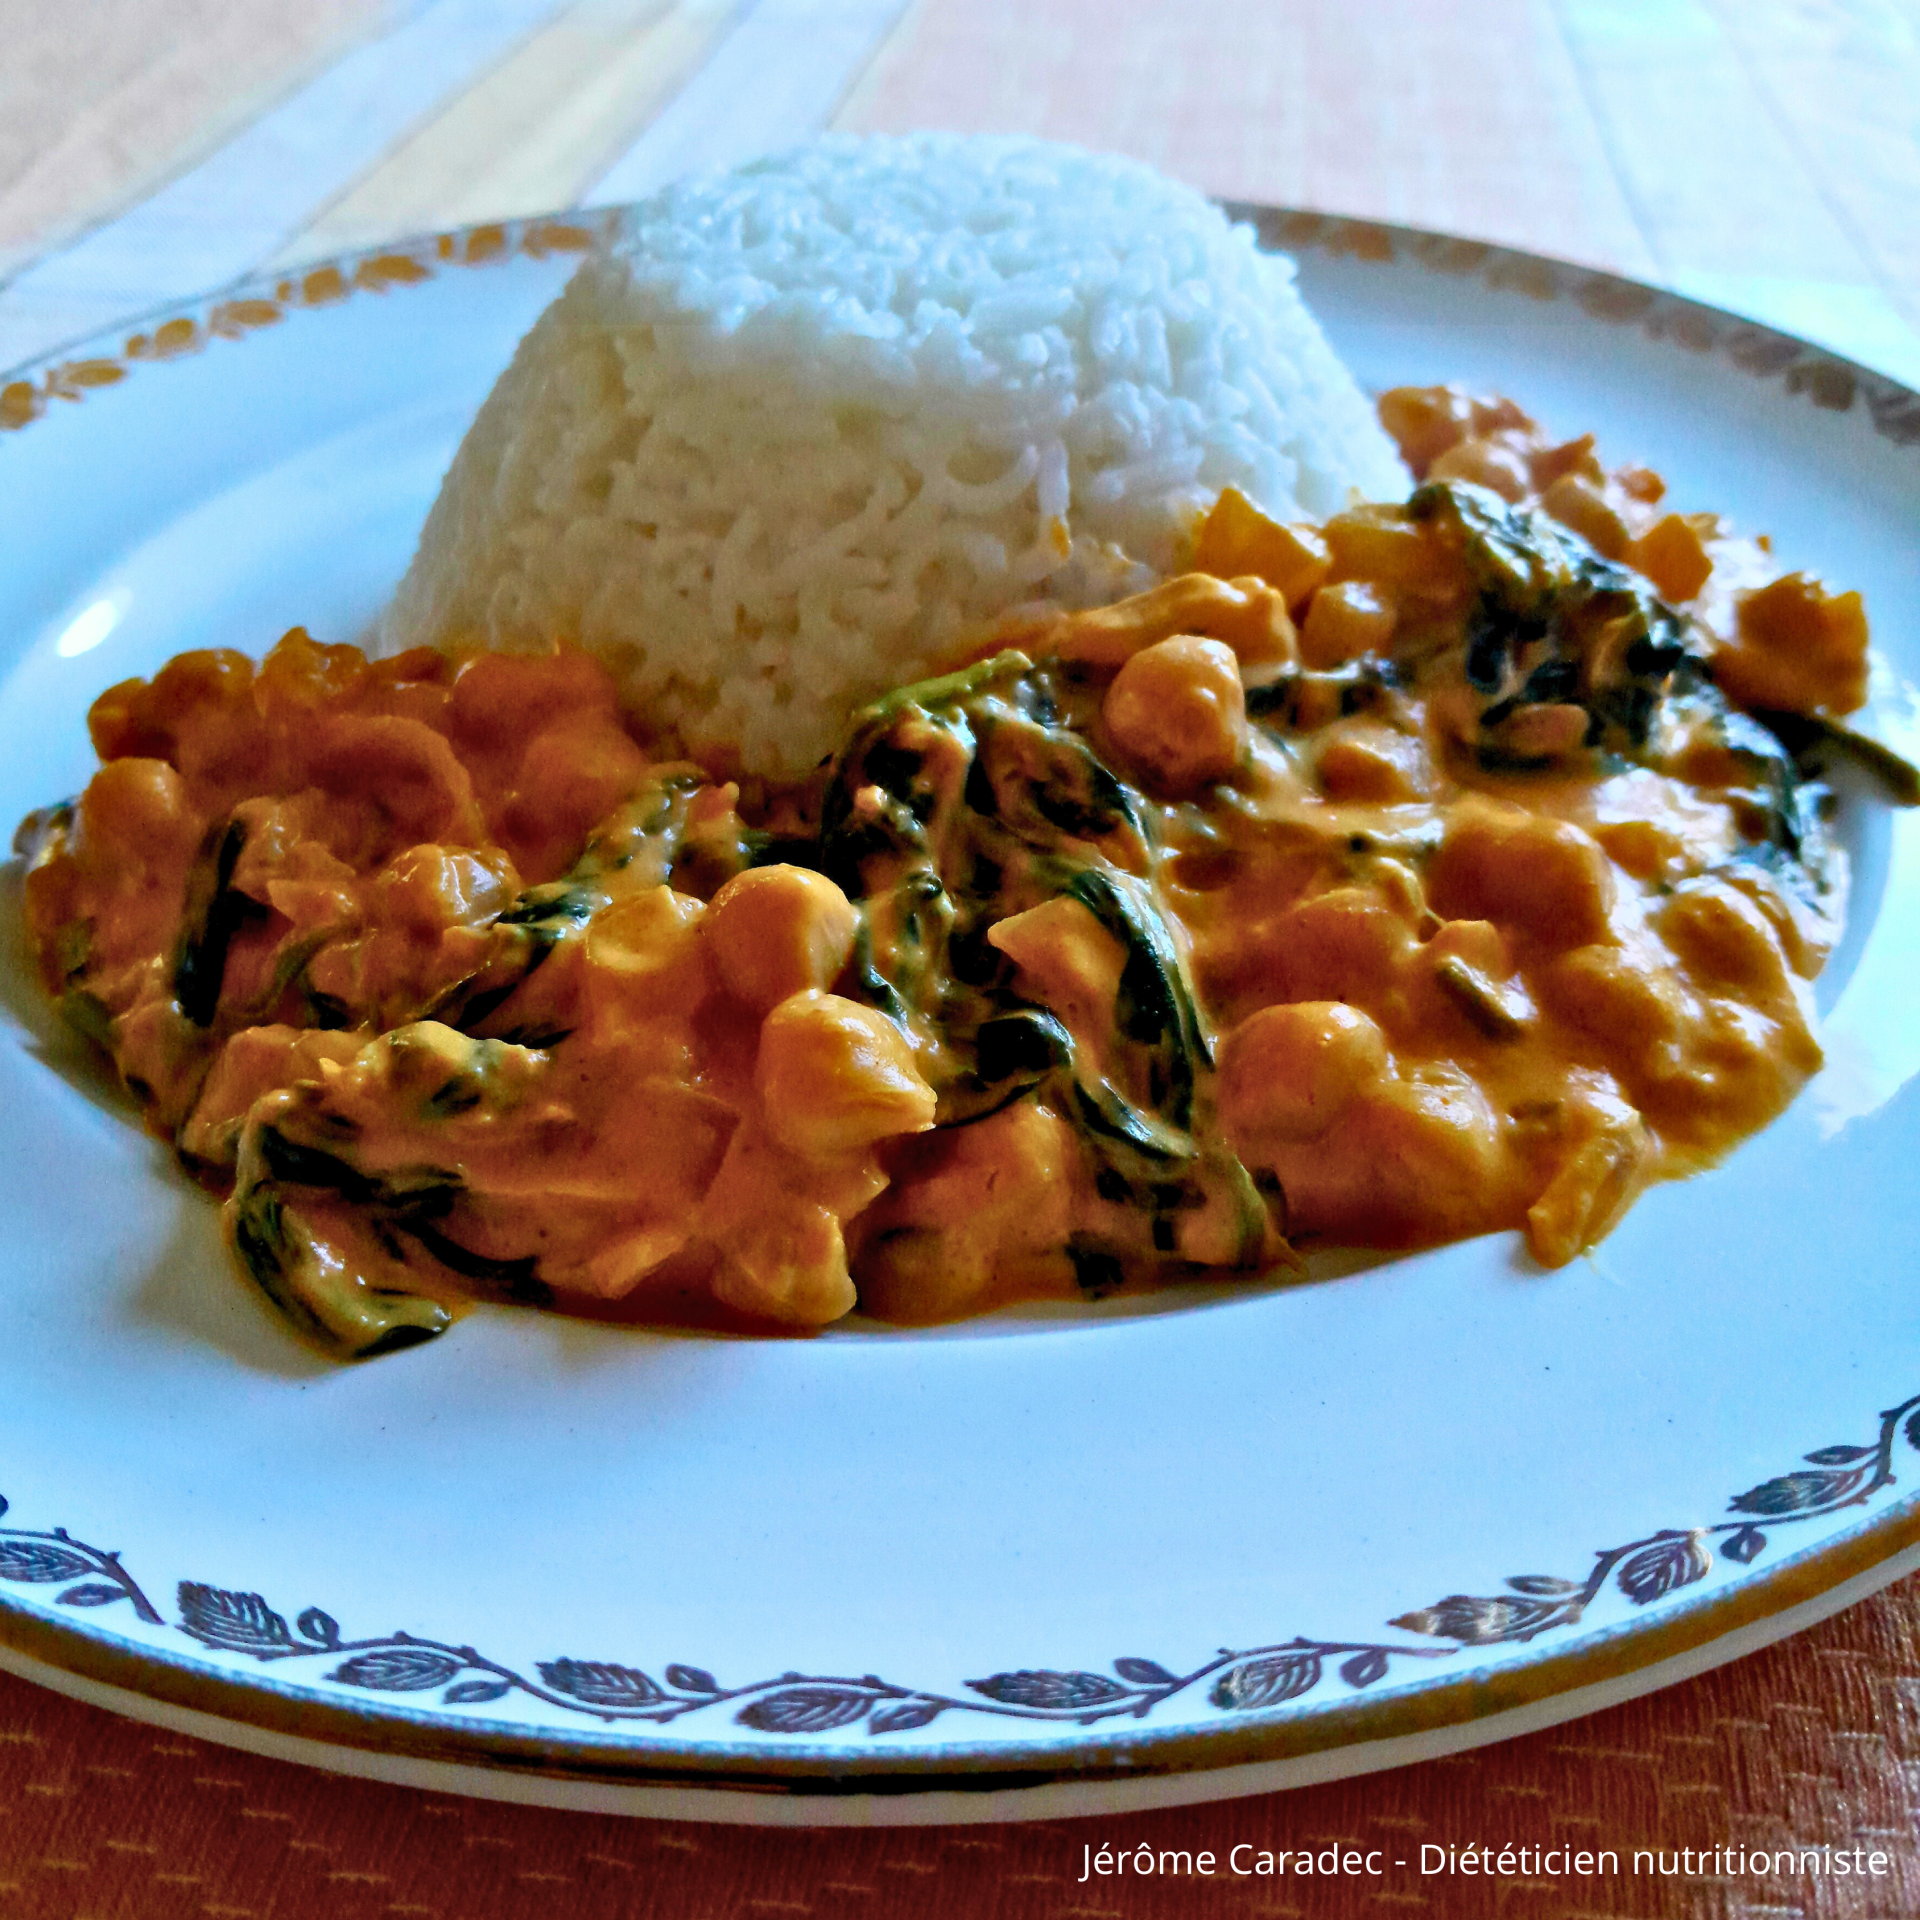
1645, 1570
244, 309
1826, 380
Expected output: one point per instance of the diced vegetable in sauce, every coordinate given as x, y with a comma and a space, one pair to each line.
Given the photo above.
1447, 868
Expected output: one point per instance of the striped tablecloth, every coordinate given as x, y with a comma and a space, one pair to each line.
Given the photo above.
1761, 154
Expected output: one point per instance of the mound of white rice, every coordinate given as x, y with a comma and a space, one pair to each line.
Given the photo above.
812, 424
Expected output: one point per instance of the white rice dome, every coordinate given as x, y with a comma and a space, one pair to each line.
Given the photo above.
813, 423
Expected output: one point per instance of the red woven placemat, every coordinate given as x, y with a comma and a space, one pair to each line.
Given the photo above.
1812, 1745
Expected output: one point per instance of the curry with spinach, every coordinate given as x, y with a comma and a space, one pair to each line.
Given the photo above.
1451, 867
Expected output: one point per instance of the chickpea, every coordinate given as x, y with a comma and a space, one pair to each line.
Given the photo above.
1346, 942
1344, 621
1439, 1132
1414, 1157
971, 1205
135, 719
834, 1076
1805, 938
1287, 1073
637, 940
1545, 465
402, 775
301, 673
1583, 507
1373, 763
776, 1221
1178, 712
426, 889
136, 840
786, 1263
776, 931
1739, 1065
1484, 463
571, 775
1543, 876
1643, 848
1724, 941
1621, 998
131, 805
1425, 422
215, 677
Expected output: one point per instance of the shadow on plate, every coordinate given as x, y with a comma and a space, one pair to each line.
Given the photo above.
192, 1287
48, 1038
1189, 1296
193, 1290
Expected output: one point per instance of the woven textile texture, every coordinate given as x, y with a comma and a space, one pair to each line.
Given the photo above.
1811, 1744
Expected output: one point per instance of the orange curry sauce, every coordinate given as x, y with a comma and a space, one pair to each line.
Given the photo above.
1421, 874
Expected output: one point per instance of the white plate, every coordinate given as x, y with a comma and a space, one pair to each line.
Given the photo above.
1051, 1561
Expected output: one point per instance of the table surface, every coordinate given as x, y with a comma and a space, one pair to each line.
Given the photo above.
1760, 154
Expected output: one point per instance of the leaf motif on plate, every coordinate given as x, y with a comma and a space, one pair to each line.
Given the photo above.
1266, 1682
1646, 1570
1040, 1687
602, 1683
240, 1622
398, 1669
1485, 1620
1364, 1668
38, 1561
1796, 1493
96, 1593
805, 1709
1657, 1570
321, 1628
897, 1716
472, 1693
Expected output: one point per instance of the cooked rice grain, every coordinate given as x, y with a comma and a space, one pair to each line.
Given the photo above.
812, 424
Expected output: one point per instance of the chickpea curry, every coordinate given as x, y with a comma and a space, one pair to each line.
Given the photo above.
1454, 866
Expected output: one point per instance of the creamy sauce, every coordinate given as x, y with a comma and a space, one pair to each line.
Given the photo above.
1375, 884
